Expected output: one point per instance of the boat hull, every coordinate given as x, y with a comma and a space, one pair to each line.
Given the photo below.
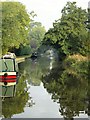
8, 78
7, 91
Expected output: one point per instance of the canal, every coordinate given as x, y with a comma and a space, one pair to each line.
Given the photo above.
48, 89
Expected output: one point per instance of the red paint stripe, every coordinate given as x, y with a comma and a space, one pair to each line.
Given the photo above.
12, 80
8, 77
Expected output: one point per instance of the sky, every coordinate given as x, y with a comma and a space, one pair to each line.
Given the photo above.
49, 10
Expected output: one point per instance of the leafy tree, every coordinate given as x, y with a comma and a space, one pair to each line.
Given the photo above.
88, 26
15, 25
0, 30
23, 50
69, 33
88, 21
36, 34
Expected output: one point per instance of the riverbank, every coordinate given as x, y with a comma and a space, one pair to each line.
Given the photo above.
79, 57
76, 57
22, 58
77, 63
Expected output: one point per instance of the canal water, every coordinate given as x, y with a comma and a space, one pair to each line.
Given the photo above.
48, 89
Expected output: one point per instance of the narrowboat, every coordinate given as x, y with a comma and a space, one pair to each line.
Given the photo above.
34, 55
8, 75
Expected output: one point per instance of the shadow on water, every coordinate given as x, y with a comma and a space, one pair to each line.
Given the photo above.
68, 84
30, 74
66, 81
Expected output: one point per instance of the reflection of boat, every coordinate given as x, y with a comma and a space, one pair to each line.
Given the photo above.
34, 55
8, 74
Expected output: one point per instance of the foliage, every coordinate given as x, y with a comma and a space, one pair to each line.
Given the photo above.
69, 34
77, 64
23, 50
88, 22
36, 34
15, 25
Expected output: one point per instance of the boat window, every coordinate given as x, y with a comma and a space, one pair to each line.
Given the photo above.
6, 65
16, 66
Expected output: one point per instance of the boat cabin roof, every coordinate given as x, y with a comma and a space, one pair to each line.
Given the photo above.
9, 56
8, 63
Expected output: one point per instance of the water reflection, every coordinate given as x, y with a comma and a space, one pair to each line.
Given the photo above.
89, 90
35, 69
31, 72
67, 83
69, 87
16, 104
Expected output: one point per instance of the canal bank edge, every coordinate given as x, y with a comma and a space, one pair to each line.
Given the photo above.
20, 59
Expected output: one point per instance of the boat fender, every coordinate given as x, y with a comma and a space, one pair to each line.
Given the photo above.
5, 75
5, 83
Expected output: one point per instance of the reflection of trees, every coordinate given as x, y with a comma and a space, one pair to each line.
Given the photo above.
15, 105
74, 94
89, 89
33, 70
69, 88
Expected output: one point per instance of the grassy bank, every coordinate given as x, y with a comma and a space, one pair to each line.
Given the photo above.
77, 64
79, 57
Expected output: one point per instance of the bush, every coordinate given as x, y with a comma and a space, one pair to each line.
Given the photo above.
25, 50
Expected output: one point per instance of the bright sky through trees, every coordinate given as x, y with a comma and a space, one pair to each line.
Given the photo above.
48, 10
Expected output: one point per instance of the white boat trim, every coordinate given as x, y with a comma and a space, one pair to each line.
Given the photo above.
9, 73
8, 84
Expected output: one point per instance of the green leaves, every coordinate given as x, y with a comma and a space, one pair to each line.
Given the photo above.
69, 32
15, 25
36, 34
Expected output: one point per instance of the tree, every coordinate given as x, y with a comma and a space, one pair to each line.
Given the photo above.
73, 19
69, 33
0, 30
15, 25
36, 34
